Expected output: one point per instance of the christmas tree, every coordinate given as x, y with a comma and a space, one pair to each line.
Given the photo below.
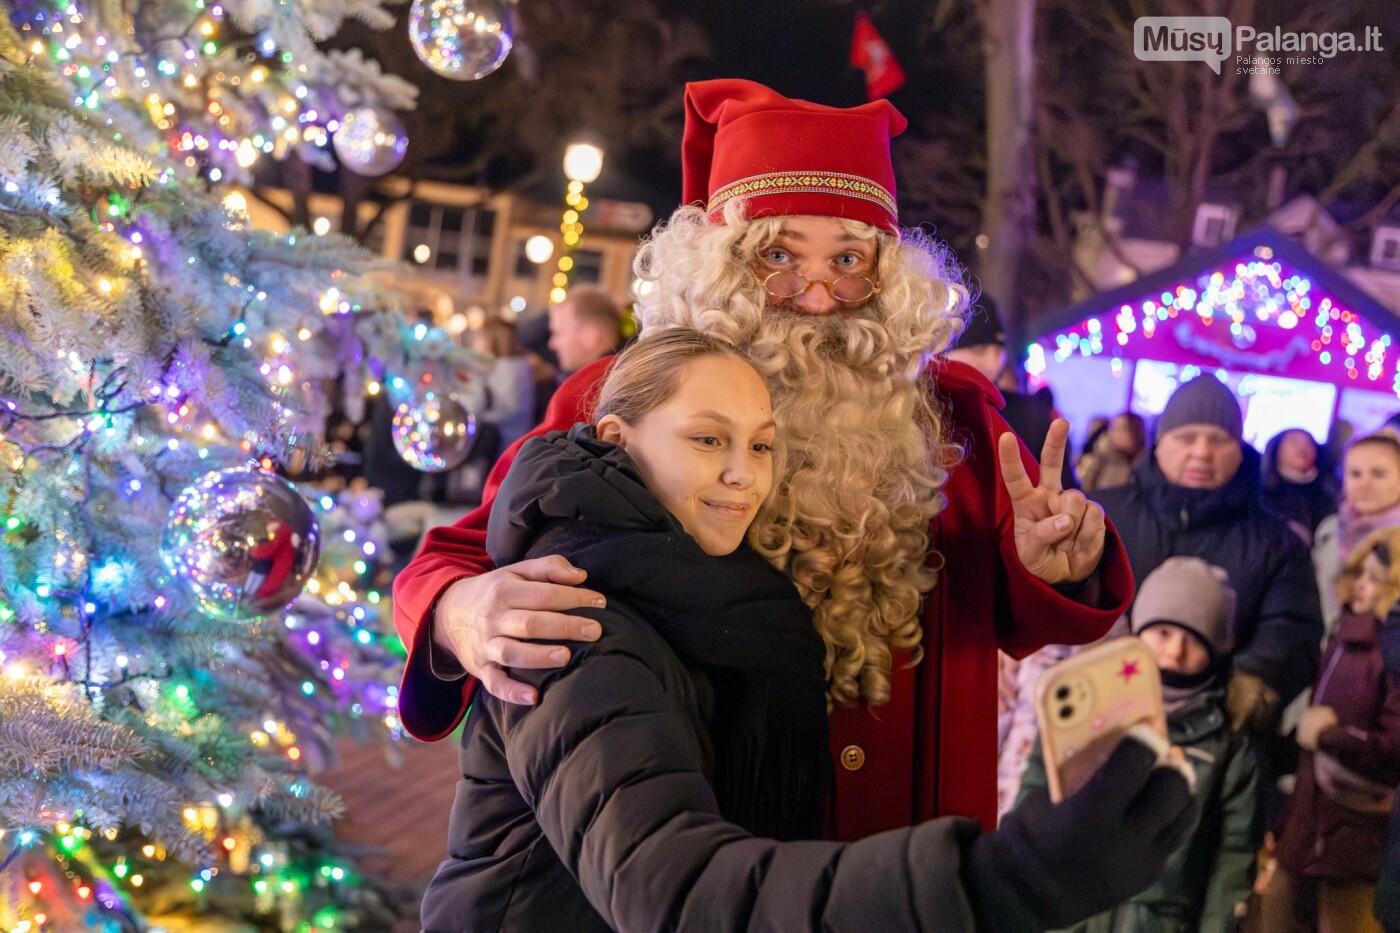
162, 706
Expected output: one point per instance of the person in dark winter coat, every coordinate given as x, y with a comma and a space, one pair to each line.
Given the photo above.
1198, 496
1184, 613
1329, 850
625, 799
1297, 488
982, 345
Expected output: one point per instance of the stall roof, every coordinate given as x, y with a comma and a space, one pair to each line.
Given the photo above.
1196, 264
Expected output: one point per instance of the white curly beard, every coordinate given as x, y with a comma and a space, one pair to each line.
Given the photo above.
864, 462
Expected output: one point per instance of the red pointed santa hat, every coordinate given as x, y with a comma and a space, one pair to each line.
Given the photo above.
785, 156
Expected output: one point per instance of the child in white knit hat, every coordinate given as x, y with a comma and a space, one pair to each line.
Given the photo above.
1184, 613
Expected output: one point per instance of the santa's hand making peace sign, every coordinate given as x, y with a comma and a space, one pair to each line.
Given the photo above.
1059, 533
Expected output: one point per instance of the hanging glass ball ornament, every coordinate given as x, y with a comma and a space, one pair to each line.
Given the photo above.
434, 433
370, 141
242, 542
461, 39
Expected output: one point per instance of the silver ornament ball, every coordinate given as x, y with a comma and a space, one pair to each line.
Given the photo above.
434, 433
242, 542
370, 141
461, 39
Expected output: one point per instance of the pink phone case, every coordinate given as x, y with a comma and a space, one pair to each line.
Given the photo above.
1086, 703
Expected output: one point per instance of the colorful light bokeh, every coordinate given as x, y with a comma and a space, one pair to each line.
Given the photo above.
1256, 312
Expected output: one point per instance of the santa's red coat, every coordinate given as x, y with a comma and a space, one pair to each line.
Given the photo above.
931, 751
279, 552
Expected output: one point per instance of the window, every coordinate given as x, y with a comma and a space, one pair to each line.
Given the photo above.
374, 239
1385, 248
588, 267
458, 239
1215, 223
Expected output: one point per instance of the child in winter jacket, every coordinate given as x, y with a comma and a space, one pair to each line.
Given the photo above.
1184, 613
1334, 831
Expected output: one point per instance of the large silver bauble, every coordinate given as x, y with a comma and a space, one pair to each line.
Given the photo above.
461, 39
242, 542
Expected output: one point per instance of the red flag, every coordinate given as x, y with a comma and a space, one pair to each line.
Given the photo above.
871, 54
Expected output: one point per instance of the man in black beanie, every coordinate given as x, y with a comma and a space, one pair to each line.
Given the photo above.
1198, 435
1198, 495
982, 345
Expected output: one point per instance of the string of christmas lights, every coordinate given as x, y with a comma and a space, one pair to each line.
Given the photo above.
1246, 297
159, 754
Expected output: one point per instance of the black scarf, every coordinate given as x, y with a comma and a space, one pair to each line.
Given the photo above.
1180, 690
1180, 506
733, 618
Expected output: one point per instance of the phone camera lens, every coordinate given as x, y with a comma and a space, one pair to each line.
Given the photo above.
1066, 711
1062, 693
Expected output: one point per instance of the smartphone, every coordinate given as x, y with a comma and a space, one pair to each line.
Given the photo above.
1086, 704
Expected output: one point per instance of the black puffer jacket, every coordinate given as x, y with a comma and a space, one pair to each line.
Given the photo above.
596, 808
1278, 619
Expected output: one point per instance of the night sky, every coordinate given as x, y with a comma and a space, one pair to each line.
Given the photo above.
798, 47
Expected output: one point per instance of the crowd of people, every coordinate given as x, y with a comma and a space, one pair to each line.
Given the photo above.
725, 632
525, 360
1300, 717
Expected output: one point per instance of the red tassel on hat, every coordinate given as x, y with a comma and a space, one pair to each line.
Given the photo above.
784, 157
872, 55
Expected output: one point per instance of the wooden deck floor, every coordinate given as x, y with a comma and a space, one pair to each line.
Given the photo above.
396, 814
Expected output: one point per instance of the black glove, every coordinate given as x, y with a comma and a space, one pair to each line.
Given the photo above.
1051, 865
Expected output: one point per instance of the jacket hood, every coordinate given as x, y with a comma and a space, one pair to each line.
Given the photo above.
570, 476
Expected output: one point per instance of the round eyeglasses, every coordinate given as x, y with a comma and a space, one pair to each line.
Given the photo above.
848, 289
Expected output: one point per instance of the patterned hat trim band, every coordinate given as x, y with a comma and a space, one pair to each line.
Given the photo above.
835, 183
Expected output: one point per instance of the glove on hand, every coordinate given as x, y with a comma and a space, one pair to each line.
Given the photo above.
1051, 865
1251, 703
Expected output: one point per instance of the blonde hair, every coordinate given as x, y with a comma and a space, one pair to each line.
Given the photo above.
866, 451
1387, 542
647, 373
700, 277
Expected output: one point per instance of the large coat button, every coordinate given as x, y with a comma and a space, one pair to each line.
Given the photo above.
852, 757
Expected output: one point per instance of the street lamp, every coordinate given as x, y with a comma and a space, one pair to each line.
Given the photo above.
538, 249
583, 163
